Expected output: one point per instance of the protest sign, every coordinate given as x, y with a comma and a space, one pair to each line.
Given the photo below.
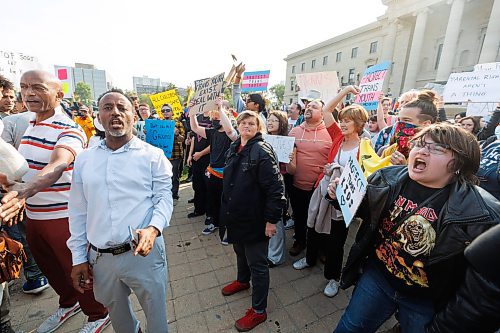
327, 83
480, 109
160, 133
351, 189
65, 75
140, 126
167, 97
490, 66
482, 86
14, 64
255, 81
205, 93
282, 145
371, 85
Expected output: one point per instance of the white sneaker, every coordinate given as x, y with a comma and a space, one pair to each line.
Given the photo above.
301, 264
331, 289
289, 224
58, 318
96, 326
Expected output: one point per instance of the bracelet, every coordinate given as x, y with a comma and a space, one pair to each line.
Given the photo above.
238, 76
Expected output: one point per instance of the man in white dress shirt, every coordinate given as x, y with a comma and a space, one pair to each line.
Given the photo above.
121, 187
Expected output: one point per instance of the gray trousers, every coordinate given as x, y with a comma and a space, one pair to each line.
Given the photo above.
115, 277
277, 246
4, 304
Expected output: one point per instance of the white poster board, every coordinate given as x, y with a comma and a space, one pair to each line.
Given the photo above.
490, 66
282, 145
479, 87
327, 83
140, 126
14, 64
351, 189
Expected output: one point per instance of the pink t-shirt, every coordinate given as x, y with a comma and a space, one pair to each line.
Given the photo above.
313, 145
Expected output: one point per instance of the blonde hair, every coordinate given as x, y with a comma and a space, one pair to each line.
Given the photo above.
356, 113
249, 114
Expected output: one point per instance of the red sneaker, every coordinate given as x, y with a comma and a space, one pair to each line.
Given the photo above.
250, 320
234, 287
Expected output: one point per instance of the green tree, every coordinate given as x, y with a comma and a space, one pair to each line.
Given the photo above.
278, 91
83, 93
144, 98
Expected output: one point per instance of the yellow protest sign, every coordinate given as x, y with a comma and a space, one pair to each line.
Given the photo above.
169, 97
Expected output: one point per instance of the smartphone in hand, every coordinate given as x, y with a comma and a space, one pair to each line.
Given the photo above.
134, 237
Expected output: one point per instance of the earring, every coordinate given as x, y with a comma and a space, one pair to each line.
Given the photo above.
457, 172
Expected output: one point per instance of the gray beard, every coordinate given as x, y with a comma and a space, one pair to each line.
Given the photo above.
117, 134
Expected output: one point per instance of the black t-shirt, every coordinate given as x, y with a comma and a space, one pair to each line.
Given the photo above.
200, 142
402, 255
219, 145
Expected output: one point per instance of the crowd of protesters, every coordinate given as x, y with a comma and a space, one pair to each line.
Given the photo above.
97, 200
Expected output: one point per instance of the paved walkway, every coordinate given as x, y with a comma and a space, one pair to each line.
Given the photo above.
198, 268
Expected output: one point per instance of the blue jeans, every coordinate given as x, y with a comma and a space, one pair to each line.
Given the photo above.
374, 301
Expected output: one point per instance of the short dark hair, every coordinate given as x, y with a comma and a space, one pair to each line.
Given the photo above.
257, 99
475, 121
298, 106
167, 105
144, 104
372, 118
118, 91
426, 102
6, 83
464, 145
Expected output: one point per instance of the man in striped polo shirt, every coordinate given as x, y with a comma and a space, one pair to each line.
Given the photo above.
50, 145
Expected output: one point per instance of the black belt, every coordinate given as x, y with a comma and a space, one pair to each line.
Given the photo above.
113, 250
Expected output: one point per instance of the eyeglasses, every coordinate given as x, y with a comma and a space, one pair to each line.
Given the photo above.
166, 110
431, 147
273, 121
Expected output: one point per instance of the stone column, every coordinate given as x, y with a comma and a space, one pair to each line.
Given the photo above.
450, 40
416, 47
388, 48
492, 38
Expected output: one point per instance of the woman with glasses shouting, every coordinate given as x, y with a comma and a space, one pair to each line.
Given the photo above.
416, 222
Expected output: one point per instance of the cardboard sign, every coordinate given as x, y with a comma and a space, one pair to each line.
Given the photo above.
167, 97
205, 93
282, 145
327, 83
160, 133
371, 85
482, 86
351, 189
140, 126
255, 81
65, 75
14, 64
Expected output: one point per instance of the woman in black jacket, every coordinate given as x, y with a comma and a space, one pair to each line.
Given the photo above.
252, 202
416, 223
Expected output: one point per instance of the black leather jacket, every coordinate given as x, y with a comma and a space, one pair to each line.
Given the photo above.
476, 305
468, 212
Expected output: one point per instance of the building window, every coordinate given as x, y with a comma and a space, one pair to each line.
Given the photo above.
351, 76
339, 57
303, 66
292, 85
293, 69
373, 47
325, 60
438, 56
313, 63
354, 52
291, 100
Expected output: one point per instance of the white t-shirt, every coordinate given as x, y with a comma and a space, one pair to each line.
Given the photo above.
343, 156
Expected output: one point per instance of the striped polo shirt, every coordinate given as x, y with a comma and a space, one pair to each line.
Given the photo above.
37, 145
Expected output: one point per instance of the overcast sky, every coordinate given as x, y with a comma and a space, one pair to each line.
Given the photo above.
177, 41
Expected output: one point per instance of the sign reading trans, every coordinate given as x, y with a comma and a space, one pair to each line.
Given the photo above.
255, 81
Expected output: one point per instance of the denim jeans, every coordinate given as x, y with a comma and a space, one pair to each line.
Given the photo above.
374, 301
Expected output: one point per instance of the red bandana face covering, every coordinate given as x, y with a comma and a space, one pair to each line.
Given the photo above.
403, 133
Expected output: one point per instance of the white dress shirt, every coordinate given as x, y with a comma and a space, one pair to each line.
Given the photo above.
112, 190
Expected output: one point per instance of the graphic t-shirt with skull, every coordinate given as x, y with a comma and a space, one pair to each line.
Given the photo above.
402, 254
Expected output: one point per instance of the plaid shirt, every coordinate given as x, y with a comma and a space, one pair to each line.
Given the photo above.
177, 148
